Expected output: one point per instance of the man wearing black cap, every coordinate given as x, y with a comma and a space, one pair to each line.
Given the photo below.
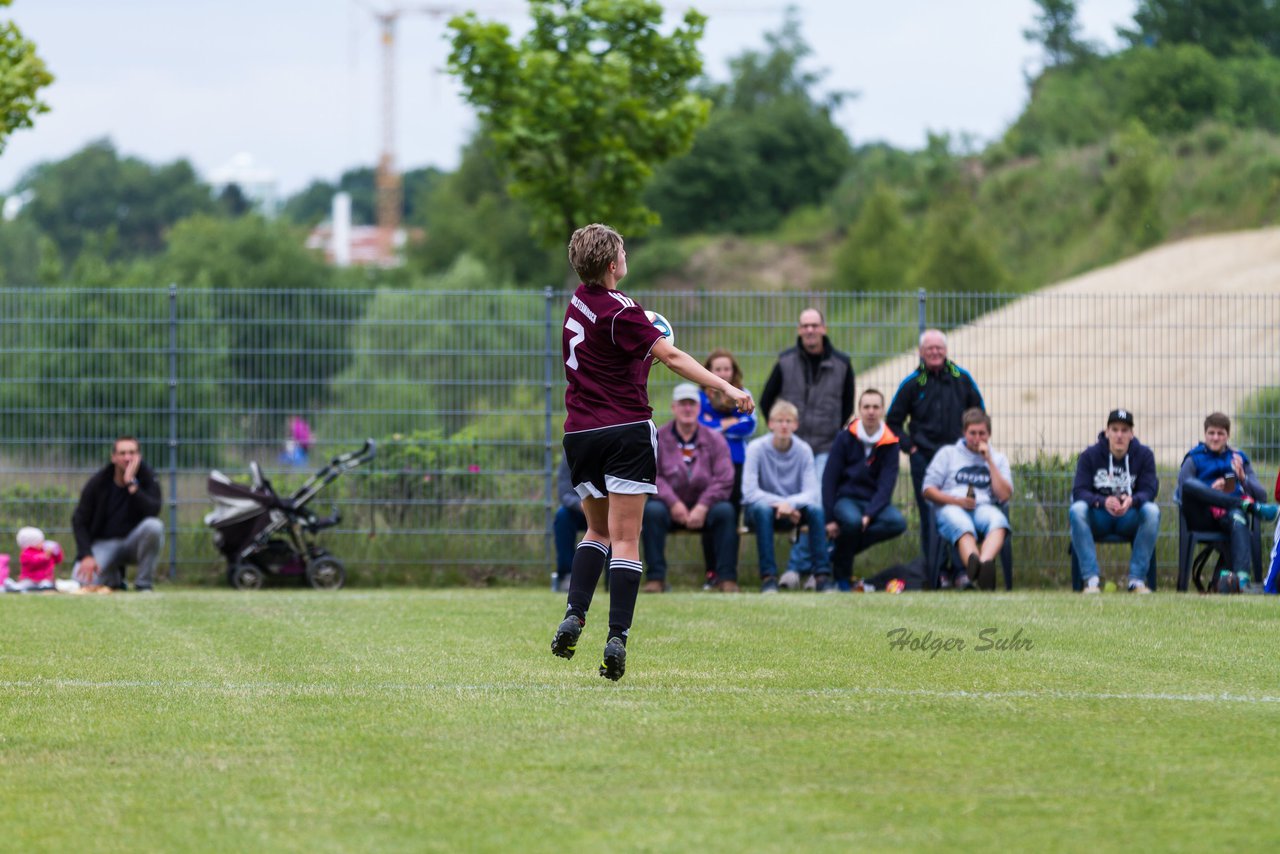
1115, 493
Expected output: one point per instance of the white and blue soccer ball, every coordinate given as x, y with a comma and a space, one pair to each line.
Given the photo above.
662, 325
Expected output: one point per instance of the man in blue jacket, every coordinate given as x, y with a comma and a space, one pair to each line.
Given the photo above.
1115, 493
1218, 491
857, 487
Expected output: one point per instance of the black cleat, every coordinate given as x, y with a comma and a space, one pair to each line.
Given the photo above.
615, 660
565, 643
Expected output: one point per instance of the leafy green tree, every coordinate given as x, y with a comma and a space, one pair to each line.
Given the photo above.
954, 253
584, 107
470, 212
1173, 88
1134, 183
125, 203
770, 147
1222, 27
22, 75
1058, 30
877, 253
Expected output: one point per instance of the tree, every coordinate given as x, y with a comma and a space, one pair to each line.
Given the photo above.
22, 75
877, 253
954, 255
1222, 27
469, 212
273, 316
770, 147
125, 205
1058, 30
580, 112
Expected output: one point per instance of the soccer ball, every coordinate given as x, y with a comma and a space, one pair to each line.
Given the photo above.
662, 325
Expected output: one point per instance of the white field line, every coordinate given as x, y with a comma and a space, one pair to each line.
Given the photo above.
295, 689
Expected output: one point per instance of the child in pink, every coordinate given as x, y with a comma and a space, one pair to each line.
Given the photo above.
38, 558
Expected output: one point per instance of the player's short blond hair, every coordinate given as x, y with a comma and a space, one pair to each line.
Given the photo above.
592, 249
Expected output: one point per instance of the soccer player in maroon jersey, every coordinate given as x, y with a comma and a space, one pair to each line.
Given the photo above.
609, 438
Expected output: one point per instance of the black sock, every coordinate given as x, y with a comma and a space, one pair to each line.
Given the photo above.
588, 562
624, 586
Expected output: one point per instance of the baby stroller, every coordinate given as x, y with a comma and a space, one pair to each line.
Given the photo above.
262, 534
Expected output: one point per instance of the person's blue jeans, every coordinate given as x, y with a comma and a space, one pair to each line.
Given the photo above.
799, 559
1140, 526
1198, 497
852, 540
760, 518
566, 526
719, 539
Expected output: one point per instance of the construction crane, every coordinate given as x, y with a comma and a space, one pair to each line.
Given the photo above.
390, 189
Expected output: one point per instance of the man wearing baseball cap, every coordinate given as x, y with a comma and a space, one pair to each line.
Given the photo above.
695, 479
1115, 494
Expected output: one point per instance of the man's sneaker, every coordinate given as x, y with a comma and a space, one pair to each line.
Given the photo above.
844, 585
615, 659
963, 582
654, 585
1138, 587
768, 584
811, 583
565, 643
1266, 512
790, 580
822, 584
728, 585
1093, 585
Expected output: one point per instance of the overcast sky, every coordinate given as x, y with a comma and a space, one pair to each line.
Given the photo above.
296, 83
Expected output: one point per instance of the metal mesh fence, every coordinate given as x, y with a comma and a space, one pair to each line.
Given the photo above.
463, 391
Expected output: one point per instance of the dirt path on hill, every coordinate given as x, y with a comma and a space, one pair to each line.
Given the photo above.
1173, 334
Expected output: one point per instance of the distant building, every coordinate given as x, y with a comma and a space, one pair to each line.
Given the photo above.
257, 183
344, 244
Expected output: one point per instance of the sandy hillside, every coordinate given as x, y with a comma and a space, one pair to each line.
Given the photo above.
1172, 334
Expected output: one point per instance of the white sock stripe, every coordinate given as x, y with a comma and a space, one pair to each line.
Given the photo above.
592, 544
619, 563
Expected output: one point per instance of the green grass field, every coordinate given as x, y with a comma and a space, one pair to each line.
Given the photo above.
439, 721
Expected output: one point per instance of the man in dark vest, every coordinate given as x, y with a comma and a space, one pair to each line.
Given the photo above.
819, 380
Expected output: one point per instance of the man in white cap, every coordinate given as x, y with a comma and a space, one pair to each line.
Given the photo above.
695, 480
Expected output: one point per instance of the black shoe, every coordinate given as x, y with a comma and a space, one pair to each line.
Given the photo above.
565, 643
987, 575
615, 660
822, 584
963, 582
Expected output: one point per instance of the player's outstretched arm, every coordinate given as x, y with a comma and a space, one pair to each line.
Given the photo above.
686, 366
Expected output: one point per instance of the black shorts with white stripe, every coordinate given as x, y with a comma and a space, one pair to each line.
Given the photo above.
621, 459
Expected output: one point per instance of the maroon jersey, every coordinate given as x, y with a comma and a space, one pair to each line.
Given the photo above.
606, 344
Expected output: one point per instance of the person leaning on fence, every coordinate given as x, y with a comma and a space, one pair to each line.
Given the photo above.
569, 521
857, 487
1114, 494
818, 380
695, 480
1218, 491
780, 491
115, 522
967, 480
926, 410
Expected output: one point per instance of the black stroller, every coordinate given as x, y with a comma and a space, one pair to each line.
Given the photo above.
262, 534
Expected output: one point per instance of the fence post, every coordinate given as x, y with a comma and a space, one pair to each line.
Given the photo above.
921, 299
173, 431
548, 461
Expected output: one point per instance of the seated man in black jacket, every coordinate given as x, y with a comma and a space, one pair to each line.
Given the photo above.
116, 524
